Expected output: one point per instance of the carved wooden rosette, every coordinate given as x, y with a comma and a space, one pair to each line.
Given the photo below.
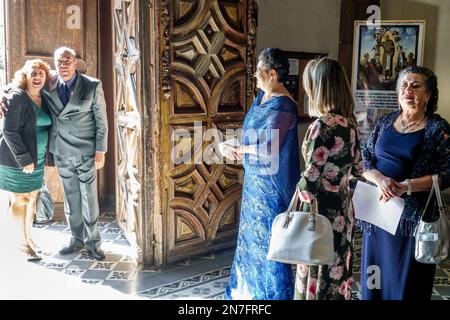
208, 59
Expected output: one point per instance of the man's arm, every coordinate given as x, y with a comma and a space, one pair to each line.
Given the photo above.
101, 124
99, 160
4, 97
3, 108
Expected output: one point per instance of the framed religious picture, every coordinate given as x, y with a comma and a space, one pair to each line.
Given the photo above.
297, 64
380, 53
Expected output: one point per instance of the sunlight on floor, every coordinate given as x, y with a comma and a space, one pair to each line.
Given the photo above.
20, 279
30, 281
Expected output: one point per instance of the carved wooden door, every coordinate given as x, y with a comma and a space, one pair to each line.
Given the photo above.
35, 28
208, 64
177, 63
128, 119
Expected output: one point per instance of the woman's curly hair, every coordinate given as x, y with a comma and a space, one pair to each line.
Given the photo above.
20, 77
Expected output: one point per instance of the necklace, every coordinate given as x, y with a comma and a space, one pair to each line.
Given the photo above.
405, 126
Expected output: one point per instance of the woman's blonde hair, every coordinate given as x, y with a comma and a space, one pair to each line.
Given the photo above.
328, 89
20, 77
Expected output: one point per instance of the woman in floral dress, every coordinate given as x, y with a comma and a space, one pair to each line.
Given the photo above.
332, 156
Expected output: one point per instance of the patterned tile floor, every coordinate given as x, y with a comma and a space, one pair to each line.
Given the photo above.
78, 276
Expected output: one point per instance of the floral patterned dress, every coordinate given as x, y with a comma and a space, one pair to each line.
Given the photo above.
332, 156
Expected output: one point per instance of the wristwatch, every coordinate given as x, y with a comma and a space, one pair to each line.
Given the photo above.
408, 182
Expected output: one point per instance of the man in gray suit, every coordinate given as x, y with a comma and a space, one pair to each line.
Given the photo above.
78, 141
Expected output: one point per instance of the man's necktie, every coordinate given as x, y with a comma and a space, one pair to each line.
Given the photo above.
65, 95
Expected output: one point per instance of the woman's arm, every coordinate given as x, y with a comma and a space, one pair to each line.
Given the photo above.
316, 158
11, 132
424, 183
367, 151
444, 161
269, 139
358, 166
237, 152
389, 188
420, 184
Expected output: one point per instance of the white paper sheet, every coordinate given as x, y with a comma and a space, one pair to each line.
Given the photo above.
224, 147
369, 208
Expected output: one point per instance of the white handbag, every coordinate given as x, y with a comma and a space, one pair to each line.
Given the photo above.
301, 237
433, 238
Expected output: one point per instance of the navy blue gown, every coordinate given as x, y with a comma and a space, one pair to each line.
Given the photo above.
402, 277
269, 183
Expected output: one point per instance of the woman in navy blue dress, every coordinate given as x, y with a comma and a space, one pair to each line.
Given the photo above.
405, 149
270, 152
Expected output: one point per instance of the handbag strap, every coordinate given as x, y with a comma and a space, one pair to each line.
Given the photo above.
437, 190
295, 201
434, 188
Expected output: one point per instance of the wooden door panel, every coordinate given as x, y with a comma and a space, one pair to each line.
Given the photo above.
37, 27
36, 39
212, 63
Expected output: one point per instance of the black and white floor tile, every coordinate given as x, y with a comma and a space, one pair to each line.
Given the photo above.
204, 286
79, 276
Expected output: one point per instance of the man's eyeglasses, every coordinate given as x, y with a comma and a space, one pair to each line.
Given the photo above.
64, 62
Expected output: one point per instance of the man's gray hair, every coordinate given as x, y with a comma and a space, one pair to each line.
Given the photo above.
60, 51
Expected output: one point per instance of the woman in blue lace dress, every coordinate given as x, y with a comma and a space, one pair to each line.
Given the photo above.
403, 152
270, 152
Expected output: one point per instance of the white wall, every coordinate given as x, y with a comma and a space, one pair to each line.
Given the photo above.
436, 13
299, 25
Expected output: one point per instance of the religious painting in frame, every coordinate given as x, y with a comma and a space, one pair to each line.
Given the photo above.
380, 53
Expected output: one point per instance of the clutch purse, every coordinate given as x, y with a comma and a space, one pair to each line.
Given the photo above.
299, 237
432, 239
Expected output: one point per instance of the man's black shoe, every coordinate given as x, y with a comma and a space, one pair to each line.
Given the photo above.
70, 249
98, 254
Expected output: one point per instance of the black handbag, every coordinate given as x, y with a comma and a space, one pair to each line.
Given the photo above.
44, 206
